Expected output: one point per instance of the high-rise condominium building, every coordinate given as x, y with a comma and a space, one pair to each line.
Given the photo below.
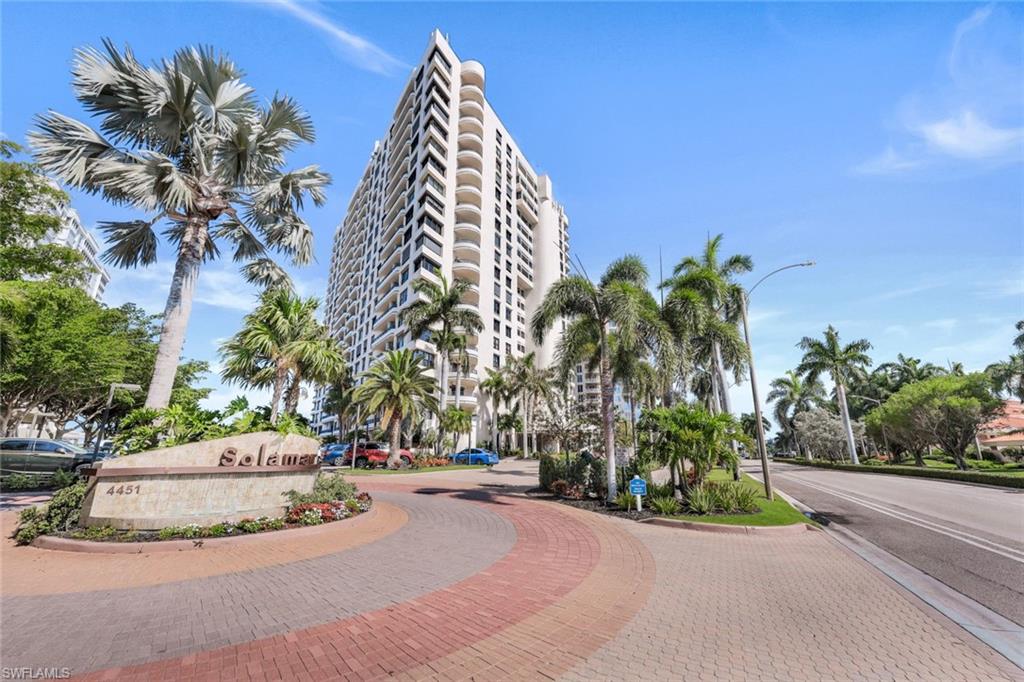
74, 235
447, 193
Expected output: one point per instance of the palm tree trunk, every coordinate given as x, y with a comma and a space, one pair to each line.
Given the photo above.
494, 425
280, 377
291, 397
608, 417
632, 419
725, 402
845, 411
526, 426
395, 427
177, 312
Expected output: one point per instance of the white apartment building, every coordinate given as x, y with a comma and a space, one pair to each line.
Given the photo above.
447, 191
74, 235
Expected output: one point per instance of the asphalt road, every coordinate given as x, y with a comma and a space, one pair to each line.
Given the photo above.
969, 537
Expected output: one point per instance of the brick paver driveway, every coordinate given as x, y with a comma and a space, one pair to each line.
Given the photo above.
456, 575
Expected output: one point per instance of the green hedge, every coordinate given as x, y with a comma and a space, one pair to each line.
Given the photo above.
944, 474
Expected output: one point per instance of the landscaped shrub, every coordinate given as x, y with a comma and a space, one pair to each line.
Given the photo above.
559, 487
597, 483
746, 499
62, 479
624, 500
994, 478
59, 515
327, 488
21, 482
702, 500
426, 461
551, 469
665, 505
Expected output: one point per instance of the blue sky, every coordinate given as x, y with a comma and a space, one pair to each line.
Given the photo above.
885, 142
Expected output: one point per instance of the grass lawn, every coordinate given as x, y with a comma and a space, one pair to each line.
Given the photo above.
778, 512
384, 472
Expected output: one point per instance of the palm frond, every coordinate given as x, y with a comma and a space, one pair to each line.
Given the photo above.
568, 297
70, 150
247, 245
130, 243
266, 273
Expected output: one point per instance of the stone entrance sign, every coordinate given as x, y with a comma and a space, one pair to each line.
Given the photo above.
227, 479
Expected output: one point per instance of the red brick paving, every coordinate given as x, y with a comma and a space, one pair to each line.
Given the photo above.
554, 553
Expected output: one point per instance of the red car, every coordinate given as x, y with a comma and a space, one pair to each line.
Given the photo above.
373, 455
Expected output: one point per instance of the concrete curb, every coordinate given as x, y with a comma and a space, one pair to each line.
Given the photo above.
727, 529
160, 546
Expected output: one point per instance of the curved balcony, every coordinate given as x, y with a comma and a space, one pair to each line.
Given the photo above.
467, 230
471, 124
470, 140
467, 212
471, 109
470, 92
471, 158
466, 269
469, 176
473, 72
468, 193
472, 296
467, 248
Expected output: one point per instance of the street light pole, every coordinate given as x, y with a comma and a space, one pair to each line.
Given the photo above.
762, 448
106, 413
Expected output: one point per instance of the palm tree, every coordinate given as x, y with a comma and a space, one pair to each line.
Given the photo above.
494, 388
840, 362
444, 315
593, 309
281, 344
907, 370
1007, 377
397, 387
458, 422
1018, 341
793, 395
710, 280
339, 399
186, 142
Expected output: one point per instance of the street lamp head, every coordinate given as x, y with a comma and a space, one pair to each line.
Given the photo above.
808, 264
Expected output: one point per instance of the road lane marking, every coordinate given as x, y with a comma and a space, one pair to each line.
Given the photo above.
968, 538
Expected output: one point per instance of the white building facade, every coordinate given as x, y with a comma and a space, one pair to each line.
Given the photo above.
73, 234
447, 192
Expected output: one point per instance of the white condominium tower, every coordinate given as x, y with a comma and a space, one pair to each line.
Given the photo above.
447, 192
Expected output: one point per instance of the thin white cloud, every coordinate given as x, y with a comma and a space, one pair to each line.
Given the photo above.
968, 136
972, 114
356, 49
888, 162
896, 330
905, 291
944, 324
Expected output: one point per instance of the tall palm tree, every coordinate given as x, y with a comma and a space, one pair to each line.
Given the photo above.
711, 280
186, 142
531, 383
339, 399
1018, 341
593, 310
793, 395
493, 387
907, 370
397, 387
442, 314
281, 344
840, 362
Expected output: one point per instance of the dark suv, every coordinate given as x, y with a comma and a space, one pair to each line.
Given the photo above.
42, 457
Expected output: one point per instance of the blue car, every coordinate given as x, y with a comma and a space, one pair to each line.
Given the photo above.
335, 453
474, 456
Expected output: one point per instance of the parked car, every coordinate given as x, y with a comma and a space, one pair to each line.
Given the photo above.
334, 453
474, 456
43, 457
372, 454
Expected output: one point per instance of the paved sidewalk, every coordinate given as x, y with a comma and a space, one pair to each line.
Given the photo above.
455, 577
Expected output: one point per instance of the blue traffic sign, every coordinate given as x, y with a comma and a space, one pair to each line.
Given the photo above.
637, 486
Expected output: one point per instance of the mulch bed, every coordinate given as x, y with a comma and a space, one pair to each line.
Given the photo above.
593, 505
